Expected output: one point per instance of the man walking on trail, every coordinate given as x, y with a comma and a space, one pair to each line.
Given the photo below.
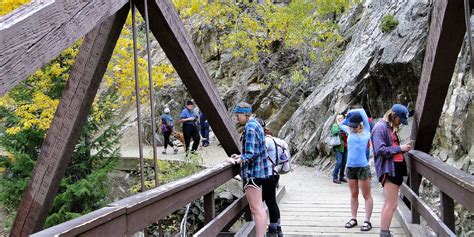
190, 128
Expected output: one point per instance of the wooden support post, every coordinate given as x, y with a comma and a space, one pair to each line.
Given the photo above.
209, 207
71, 114
173, 37
447, 211
415, 180
445, 38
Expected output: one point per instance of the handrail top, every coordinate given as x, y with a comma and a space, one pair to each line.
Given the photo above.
142, 199
130, 204
463, 179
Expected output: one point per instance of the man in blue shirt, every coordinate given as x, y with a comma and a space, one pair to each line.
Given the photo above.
190, 128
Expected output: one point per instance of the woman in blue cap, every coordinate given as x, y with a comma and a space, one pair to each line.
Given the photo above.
253, 162
356, 125
389, 161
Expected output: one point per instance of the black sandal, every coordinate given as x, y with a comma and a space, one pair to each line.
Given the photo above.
366, 227
351, 223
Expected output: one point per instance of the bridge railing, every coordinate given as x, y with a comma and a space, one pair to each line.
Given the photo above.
454, 184
135, 213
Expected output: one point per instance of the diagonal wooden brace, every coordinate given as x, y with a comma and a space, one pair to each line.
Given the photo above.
71, 114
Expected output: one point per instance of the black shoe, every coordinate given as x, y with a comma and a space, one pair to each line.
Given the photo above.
272, 232
336, 181
279, 231
343, 180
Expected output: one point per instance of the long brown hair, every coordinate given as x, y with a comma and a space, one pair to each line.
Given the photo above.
390, 117
268, 131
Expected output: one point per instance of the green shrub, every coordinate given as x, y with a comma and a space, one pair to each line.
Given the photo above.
388, 23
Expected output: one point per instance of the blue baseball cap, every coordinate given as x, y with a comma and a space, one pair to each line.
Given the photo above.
402, 112
354, 120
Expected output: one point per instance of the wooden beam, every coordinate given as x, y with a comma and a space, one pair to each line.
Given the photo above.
179, 48
36, 33
430, 216
445, 38
447, 211
144, 209
209, 207
456, 183
230, 215
71, 114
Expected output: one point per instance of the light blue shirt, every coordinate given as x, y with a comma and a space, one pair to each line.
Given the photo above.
186, 113
357, 142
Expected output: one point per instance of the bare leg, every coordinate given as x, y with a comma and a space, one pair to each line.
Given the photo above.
369, 202
254, 196
390, 192
354, 187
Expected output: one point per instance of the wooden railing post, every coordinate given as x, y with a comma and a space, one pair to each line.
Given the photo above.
209, 207
447, 211
415, 180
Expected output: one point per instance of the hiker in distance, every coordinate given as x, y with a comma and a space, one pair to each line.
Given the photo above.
167, 128
190, 127
356, 125
389, 161
341, 151
254, 166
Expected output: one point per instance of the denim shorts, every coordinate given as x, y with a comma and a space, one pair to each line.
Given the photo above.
359, 173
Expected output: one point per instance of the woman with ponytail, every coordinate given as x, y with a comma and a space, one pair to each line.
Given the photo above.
389, 161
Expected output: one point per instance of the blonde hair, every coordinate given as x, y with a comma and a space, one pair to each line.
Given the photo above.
359, 129
390, 117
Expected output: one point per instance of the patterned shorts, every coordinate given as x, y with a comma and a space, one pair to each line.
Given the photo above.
359, 173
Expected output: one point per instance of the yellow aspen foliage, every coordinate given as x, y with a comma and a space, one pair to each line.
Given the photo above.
249, 29
6, 6
121, 73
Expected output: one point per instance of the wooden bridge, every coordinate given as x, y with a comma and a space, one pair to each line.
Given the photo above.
38, 32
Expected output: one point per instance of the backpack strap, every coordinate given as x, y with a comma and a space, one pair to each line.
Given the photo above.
270, 159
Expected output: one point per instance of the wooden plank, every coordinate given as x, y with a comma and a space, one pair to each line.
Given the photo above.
209, 207
36, 33
235, 209
429, 215
179, 48
414, 181
230, 215
84, 223
331, 230
454, 182
445, 38
403, 215
247, 229
71, 114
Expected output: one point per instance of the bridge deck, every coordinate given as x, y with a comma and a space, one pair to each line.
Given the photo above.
313, 206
